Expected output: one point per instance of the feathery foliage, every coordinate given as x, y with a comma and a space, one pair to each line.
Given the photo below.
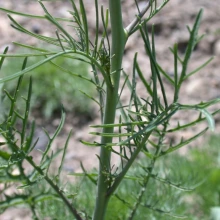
140, 131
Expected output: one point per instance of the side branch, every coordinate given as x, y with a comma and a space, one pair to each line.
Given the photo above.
133, 24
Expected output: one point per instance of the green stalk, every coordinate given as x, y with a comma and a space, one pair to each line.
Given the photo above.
117, 49
55, 187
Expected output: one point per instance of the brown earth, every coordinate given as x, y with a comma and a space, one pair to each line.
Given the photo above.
170, 28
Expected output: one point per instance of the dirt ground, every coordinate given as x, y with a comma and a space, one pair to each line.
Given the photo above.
170, 28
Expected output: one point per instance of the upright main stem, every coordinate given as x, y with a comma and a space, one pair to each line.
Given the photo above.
117, 49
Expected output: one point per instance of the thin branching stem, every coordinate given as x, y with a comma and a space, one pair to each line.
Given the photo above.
136, 21
55, 187
148, 176
120, 177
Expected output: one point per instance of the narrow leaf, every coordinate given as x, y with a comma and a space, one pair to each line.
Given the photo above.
209, 118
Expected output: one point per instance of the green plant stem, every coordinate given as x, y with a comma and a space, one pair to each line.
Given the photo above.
147, 179
55, 187
117, 49
120, 177
141, 194
137, 20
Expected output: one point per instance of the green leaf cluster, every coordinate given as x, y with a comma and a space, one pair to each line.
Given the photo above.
17, 148
141, 130
52, 86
